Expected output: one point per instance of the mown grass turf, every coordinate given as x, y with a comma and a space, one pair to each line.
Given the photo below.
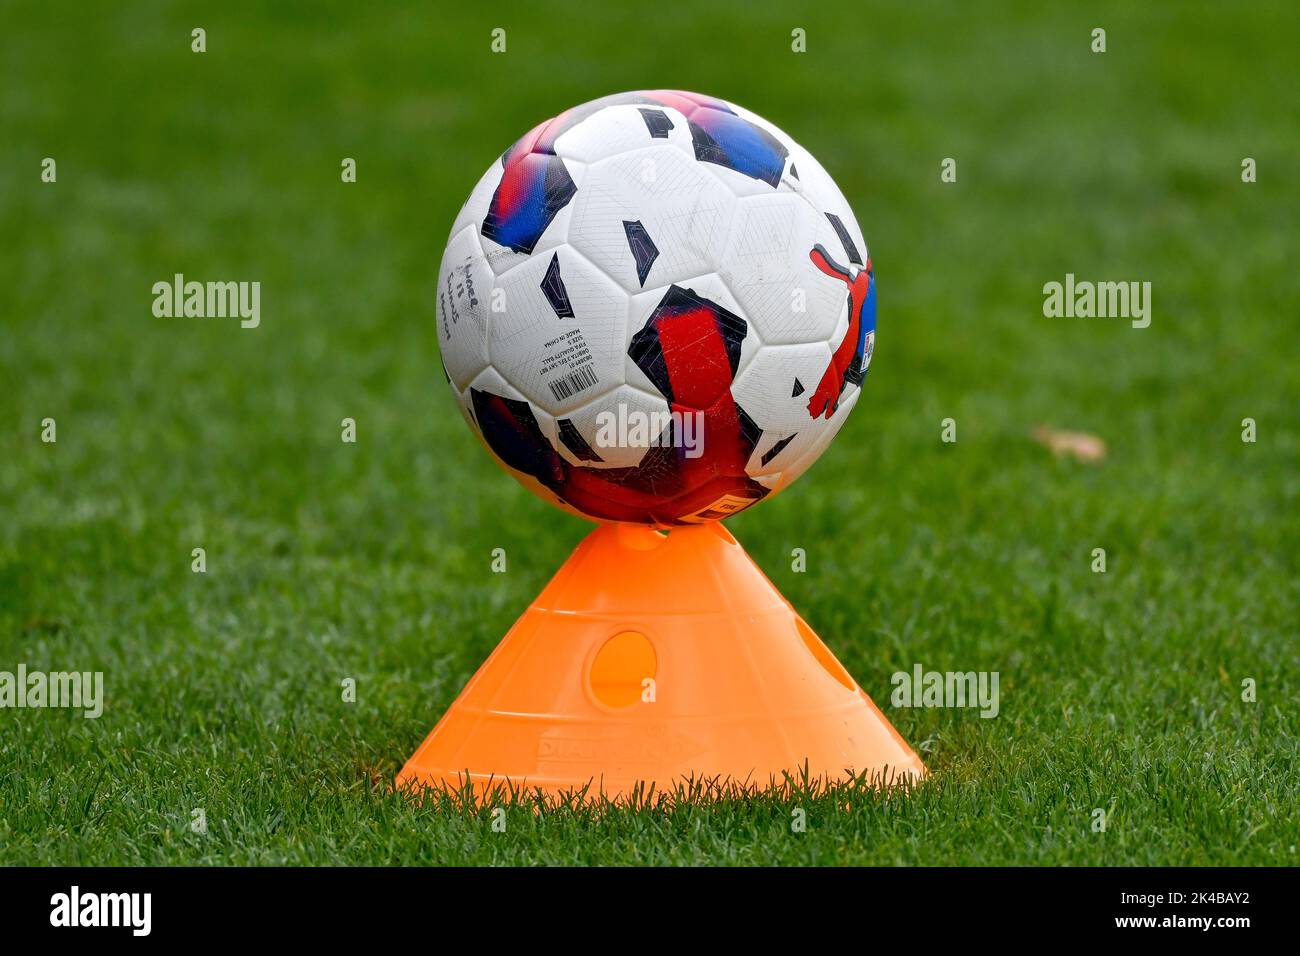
1120, 691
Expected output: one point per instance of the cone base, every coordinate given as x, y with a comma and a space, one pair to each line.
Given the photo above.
653, 659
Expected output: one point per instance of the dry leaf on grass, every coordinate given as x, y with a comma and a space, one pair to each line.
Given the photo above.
1084, 447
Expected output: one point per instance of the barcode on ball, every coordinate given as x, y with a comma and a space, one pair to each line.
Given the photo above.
576, 381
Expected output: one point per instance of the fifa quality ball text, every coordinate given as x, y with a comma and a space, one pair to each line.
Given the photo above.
656, 308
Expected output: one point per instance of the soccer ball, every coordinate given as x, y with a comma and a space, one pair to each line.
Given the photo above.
656, 308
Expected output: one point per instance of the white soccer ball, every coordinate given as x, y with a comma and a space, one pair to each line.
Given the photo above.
656, 307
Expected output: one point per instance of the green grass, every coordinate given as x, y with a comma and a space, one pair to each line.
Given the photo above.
326, 560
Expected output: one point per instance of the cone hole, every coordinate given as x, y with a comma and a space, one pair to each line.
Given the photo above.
823, 654
639, 538
619, 668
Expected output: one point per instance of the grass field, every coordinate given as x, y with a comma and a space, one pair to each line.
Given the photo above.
1120, 691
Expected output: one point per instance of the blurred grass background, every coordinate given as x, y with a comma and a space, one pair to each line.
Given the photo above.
325, 560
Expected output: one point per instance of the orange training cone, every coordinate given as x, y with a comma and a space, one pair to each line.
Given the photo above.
650, 658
